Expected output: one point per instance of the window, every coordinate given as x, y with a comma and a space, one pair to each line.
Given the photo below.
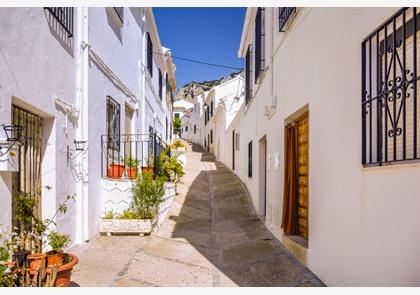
250, 159
120, 13
186, 128
205, 143
176, 115
64, 16
195, 129
259, 43
390, 125
211, 109
211, 136
167, 83
160, 85
248, 76
113, 117
285, 14
237, 141
149, 55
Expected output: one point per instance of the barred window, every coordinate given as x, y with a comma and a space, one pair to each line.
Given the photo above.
285, 13
259, 43
113, 118
389, 91
64, 16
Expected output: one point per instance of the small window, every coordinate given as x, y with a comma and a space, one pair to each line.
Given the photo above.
160, 85
285, 13
250, 159
259, 43
149, 55
113, 118
237, 141
120, 13
176, 115
248, 76
195, 129
186, 128
211, 136
211, 109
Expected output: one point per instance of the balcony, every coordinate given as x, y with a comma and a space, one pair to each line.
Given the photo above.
124, 156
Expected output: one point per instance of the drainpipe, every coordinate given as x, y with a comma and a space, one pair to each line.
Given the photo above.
82, 234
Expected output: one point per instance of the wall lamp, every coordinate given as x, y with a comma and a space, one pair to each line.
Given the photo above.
13, 134
79, 147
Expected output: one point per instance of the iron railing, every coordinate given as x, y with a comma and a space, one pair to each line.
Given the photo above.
64, 15
389, 91
285, 14
120, 13
144, 148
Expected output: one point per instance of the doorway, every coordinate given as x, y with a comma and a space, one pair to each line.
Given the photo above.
129, 144
262, 183
233, 150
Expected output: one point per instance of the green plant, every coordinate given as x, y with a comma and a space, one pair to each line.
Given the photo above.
177, 123
58, 241
131, 162
179, 144
147, 194
110, 214
169, 168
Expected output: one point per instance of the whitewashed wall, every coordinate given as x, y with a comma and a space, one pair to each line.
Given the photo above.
364, 223
37, 64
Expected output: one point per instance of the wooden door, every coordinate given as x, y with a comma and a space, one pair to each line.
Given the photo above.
303, 176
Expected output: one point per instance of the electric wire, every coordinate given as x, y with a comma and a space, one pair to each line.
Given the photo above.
200, 62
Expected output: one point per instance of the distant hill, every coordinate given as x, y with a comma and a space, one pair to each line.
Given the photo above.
192, 89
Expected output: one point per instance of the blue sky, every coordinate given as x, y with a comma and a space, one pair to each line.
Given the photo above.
206, 34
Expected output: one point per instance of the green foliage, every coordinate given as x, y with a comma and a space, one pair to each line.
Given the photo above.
110, 214
58, 241
169, 168
140, 214
177, 123
147, 194
131, 162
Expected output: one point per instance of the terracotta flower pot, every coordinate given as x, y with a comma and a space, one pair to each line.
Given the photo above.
132, 172
35, 260
64, 271
54, 259
115, 171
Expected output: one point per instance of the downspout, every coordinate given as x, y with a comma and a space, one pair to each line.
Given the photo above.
82, 124
143, 75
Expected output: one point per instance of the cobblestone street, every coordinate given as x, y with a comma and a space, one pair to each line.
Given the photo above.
211, 237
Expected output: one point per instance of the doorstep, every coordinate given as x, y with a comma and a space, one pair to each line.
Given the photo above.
297, 246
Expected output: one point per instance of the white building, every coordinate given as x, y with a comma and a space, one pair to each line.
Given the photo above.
85, 74
347, 191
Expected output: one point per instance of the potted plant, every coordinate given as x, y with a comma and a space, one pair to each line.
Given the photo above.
132, 167
140, 216
115, 170
58, 242
149, 167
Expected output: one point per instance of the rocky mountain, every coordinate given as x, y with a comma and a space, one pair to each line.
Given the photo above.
192, 89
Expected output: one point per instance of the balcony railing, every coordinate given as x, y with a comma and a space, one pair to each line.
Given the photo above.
64, 16
141, 149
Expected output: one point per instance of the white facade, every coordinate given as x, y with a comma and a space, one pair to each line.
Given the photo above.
49, 73
364, 223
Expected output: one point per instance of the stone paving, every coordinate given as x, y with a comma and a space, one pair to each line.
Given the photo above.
211, 237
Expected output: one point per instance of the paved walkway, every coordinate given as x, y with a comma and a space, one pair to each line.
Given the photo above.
211, 237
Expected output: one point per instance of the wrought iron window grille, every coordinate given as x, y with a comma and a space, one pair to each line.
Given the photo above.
389, 91
248, 76
64, 16
285, 14
149, 55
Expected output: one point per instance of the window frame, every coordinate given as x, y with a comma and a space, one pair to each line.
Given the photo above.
250, 159
259, 54
149, 55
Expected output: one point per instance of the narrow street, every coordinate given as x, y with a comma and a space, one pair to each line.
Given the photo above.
211, 237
